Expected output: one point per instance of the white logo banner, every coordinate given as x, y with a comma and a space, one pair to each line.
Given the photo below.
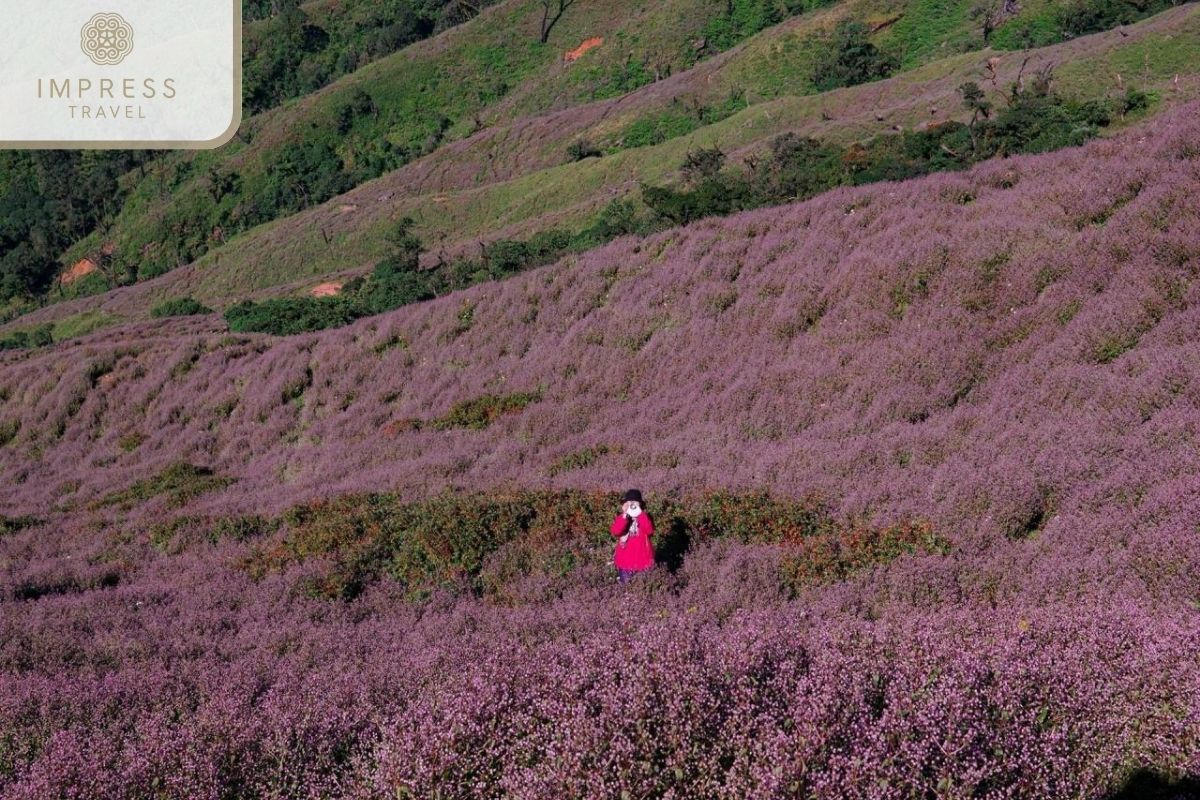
119, 73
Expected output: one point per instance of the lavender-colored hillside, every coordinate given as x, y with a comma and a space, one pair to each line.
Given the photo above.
1009, 354
966, 347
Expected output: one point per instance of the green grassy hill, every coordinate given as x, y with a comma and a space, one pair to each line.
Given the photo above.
389, 113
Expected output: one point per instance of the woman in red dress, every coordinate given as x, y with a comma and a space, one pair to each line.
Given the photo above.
633, 529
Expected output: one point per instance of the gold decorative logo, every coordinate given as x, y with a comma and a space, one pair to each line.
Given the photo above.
107, 39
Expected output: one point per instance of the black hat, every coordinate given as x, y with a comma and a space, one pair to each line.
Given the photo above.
634, 496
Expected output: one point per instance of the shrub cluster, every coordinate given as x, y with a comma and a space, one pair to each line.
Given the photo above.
477, 542
1081, 17
399, 280
845, 56
284, 316
1060, 22
179, 307
581, 149
1034, 120
40, 336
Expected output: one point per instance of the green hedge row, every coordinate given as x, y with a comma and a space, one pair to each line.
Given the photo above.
480, 542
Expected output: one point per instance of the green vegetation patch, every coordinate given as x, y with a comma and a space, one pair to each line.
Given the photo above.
846, 56
580, 459
1050, 23
9, 431
81, 324
178, 484
10, 525
179, 307
742, 19
175, 535
480, 412
1030, 120
28, 338
398, 279
474, 414
679, 119
479, 543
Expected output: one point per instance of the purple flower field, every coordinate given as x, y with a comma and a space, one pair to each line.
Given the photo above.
1009, 354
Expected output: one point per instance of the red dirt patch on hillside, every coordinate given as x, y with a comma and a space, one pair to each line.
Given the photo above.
587, 44
80, 269
328, 289
85, 266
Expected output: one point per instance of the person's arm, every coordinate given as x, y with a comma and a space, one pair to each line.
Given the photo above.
649, 526
620, 525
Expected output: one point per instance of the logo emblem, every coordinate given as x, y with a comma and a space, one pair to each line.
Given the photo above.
106, 39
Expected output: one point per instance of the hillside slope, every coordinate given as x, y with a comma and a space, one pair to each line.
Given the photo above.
389, 113
1008, 354
981, 348
509, 179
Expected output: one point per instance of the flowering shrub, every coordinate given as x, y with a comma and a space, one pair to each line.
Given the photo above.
214, 684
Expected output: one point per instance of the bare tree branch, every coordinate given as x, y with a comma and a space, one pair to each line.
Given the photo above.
552, 12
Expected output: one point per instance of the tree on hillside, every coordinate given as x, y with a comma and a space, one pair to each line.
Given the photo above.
991, 14
306, 173
980, 107
50, 199
456, 12
552, 12
702, 164
845, 56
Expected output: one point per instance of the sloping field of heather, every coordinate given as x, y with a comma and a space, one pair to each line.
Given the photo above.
885, 341
1004, 358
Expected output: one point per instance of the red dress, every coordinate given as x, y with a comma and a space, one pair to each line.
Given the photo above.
635, 553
